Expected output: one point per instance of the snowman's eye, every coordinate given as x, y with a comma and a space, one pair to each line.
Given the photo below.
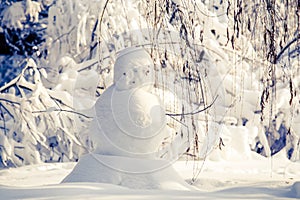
133, 82
124, 74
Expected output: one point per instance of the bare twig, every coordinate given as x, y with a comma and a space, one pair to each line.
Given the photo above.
62, 110
100, 29
62, 35
59, 101
3, 118
101, 18
9, 101
286, 47
1, 105
177, 120
194, 112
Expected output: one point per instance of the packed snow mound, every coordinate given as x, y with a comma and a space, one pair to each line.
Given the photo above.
133, 173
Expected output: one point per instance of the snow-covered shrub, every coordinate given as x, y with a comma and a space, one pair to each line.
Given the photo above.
22, 28
13, 16
9, 68
38, 124
22, 32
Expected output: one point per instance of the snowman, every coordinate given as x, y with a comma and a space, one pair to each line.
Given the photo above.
130, 120
128, 129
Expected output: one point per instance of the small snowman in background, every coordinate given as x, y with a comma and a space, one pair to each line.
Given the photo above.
130, 120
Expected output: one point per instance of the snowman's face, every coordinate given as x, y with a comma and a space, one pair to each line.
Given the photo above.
135, 77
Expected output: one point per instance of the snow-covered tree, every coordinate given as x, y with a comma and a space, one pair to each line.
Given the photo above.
233, 78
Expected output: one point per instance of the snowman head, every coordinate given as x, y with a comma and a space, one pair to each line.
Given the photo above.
133, 69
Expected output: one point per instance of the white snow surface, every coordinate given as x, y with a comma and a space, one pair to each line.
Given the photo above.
233, 173
255, 178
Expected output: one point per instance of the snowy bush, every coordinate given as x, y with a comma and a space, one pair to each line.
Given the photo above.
22, 28
37, 124
22, 33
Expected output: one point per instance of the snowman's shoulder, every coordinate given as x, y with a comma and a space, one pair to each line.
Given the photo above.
105, 97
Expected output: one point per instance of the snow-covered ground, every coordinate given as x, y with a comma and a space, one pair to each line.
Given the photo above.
246, 114
256, 178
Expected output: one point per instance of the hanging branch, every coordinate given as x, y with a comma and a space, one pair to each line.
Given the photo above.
65, 34
101, 18
193, 112
93, 46
177, 120
285, 48
3, 118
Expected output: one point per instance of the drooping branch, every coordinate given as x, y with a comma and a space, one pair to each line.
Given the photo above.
193, 112
65, 34
286, 47
3, 118
100, 29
